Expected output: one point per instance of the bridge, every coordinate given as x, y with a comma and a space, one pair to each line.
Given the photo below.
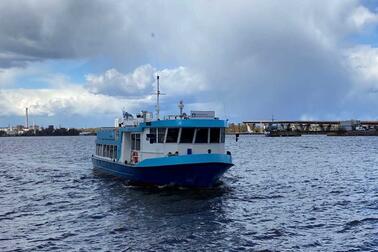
309, 127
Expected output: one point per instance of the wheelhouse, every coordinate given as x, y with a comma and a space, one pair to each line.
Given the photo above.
186, 135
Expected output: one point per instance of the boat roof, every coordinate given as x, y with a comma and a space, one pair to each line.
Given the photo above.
177, 123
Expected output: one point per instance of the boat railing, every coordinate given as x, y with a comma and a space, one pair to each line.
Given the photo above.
135, 121
107, 128
172, 117
150, 154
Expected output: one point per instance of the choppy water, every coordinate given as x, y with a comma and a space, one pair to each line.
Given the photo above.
307, 193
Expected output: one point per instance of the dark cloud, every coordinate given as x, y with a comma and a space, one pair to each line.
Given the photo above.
40, 30
261, 57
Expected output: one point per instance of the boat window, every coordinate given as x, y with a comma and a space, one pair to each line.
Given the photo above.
172, 135
201, 135
99, 149
111, 151
116, 134
161, 135
152, 135
105, 150
214, 135
135, 141
222, 135
187, 135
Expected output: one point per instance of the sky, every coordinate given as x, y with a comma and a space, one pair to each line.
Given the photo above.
79, 63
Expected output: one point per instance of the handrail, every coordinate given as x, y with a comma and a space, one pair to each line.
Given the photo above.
151, 152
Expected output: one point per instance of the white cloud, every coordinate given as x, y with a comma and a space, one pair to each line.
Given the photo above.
105, 93
142, 82
362, 16
112, 82
70, 100
182, 81
364, 60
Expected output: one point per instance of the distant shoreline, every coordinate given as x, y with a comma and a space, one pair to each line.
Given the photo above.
46, 135
50, 131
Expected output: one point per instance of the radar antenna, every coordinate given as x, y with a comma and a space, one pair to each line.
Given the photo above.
158, 98
181, 107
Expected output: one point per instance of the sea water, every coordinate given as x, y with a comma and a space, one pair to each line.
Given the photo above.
309, 193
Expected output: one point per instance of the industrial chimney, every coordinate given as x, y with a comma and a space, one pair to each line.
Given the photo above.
27, 118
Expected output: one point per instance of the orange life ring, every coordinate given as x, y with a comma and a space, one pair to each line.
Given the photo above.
135, 157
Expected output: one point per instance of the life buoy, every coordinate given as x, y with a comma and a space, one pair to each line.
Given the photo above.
134, 157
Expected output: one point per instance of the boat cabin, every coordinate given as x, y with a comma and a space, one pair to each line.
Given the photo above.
132, 144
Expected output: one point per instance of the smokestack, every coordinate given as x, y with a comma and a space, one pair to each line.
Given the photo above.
27, 118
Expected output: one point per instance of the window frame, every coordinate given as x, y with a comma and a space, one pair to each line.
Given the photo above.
176, 136
153, 132
218, 132
181, 134
223, 135
135, 141
162, 133
207, 136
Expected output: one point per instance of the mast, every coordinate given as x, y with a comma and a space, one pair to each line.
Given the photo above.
158, 99
181, 107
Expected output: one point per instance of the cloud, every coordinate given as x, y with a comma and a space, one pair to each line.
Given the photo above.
182, 81
102, 94
142, 82
68, 101
252, 58
114, 83
364, 59
8, 76
362, 16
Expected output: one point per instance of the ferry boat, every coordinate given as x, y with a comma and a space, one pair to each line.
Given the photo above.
179, 150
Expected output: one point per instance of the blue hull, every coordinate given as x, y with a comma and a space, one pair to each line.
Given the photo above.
184, 173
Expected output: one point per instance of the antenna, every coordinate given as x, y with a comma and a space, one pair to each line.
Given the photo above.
158, 99
181, 107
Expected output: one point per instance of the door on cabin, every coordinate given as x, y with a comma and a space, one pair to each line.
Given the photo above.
135, 148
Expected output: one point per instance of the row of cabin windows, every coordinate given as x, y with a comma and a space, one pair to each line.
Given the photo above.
106, 150
188, 135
